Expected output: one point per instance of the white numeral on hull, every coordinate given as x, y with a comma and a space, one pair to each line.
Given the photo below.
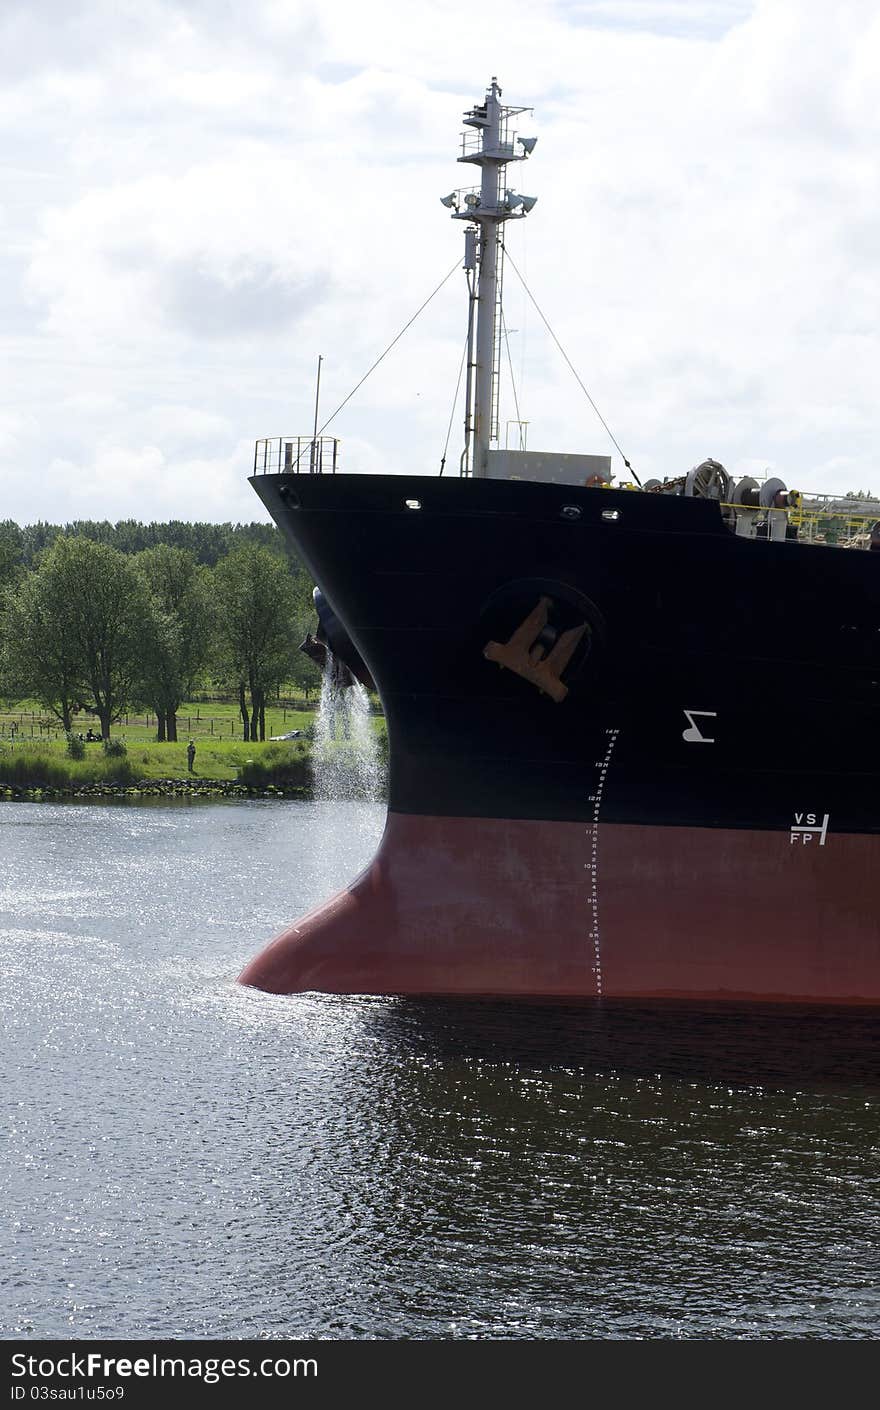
592, 866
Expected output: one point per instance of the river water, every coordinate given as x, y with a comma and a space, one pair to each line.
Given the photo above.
186, 1158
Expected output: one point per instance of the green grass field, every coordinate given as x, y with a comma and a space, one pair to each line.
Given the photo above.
32, 745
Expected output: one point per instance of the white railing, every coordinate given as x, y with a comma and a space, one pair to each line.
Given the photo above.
297, 455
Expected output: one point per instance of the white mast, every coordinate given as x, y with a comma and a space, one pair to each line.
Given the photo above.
491, 149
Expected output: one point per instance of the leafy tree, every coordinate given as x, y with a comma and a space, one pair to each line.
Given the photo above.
80, 623
39, 658
256, 629
11, 553
35, 538
177, 636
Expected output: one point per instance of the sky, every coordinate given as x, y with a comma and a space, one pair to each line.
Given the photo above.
200, 198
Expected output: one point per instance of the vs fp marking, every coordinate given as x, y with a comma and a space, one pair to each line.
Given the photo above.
694, 734
806, 828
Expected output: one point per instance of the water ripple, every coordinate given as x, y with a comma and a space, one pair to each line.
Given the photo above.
186, 1158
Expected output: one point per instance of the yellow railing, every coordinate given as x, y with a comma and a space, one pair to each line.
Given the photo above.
825, 524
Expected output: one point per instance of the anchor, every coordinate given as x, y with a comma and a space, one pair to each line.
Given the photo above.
536, 652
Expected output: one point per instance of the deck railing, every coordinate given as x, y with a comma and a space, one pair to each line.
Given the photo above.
297, 455
820, 524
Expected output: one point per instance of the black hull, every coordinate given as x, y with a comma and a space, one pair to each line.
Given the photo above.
723, 683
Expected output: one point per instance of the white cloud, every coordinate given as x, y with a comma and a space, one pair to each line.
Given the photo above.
200, 199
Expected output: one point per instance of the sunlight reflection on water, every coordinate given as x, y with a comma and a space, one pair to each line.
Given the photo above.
185, 1157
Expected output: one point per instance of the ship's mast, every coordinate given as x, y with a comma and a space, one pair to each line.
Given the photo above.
491, 147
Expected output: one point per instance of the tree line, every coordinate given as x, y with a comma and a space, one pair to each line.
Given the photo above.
87, 625
21, 546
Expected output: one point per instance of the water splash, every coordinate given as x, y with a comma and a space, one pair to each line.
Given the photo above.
346, 761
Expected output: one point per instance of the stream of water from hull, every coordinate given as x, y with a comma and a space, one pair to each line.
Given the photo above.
346, 760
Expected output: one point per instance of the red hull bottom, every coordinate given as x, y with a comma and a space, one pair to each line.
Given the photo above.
502, 907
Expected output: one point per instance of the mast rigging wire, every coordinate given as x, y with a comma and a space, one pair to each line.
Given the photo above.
406, 325
576, 377
512, 378
454, 404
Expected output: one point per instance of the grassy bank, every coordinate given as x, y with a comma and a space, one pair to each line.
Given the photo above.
42, 763
214, 727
